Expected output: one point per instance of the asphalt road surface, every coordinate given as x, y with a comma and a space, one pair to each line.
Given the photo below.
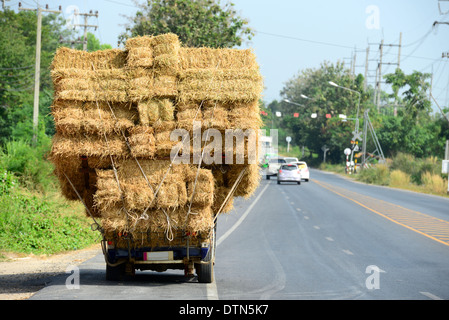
329, 238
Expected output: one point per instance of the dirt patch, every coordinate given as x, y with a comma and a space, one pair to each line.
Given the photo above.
21, 276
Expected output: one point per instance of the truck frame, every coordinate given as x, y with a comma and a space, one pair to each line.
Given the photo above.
196, 254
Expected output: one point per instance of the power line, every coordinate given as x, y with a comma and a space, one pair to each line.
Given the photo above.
121, 3
305, 40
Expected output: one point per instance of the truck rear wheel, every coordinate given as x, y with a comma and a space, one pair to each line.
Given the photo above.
115, 273
205, 271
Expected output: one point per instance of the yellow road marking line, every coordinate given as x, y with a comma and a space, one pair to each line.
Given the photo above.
422, 222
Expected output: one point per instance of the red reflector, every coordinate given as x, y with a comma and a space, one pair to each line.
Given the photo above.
280, 171
109, 243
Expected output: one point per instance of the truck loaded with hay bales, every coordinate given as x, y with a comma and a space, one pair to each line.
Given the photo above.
115, 111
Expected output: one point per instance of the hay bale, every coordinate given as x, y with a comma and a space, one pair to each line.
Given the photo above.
186, 118
141, 141
220, 195
209, 58
140, 57
164, 145
245, 116
152, 85
200, 187
157, 169
108, 192
227, 91
91, 146
172, 193
72, 168
250, 180
215, 116
138, 42
74, 117
66, 58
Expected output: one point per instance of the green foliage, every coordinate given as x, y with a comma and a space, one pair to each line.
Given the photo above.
93, 44
34, 224
200, 23
17, 57
7, 182
378, 174
415, 167
414, 130
322, 99
29, 163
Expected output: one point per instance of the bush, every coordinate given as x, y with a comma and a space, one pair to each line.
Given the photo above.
29, 164
434, 183
33, 224
415, 167
399, 179
378, 174
7, 182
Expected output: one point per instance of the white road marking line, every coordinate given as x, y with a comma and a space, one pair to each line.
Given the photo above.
211, 288
329, 239
212, 293
430, 295
317, 227
227, 233
348, 252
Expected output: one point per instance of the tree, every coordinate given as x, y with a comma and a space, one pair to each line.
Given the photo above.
414, 88
93, 44
17, 56
322, 99
198, 23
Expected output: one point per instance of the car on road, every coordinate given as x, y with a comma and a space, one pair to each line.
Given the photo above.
305, 173
291, 159
273, 167
289, 173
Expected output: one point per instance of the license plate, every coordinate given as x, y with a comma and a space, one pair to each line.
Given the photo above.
158, 255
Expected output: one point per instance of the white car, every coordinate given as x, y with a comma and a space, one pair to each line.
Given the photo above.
305, 173
289, 172
291, 159
273, 167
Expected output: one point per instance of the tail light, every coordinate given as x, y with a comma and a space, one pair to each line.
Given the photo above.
280, 171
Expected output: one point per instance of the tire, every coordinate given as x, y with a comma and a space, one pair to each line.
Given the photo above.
299, 182
268, 177
205, 271
279, 182
115, 273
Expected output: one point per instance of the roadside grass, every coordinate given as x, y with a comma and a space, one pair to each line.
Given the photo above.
402, 172
37, 222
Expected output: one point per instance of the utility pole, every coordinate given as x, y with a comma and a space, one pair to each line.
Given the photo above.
3, 4
379, 69
366, 69
37, 71
85, 25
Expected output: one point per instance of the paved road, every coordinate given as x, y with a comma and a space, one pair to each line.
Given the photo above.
329, 238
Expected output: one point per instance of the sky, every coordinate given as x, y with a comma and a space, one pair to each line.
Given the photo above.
293, 35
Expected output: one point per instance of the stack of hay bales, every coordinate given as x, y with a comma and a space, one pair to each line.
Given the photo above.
114, 111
